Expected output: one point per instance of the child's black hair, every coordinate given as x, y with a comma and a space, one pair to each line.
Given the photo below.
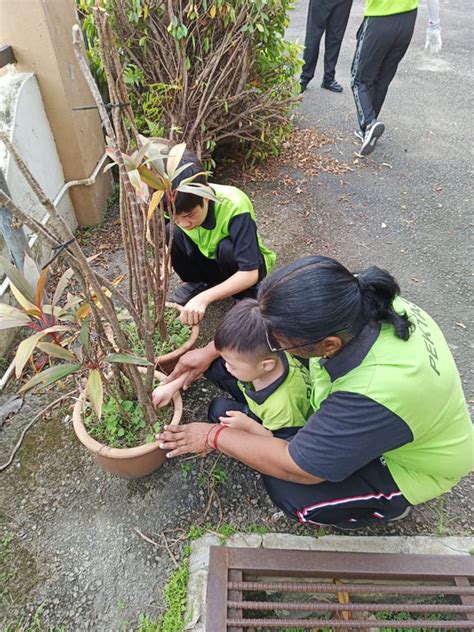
244, 331
185, 202
315, 297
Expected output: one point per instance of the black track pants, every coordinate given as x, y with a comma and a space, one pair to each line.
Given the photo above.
192, 266
365, 498
381, 44
330, 16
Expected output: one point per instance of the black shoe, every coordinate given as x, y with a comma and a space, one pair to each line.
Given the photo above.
371, 136
185, 292
303, 87
358, 133
332, 85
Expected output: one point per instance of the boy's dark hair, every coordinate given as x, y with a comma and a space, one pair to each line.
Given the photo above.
185, 202
243, 330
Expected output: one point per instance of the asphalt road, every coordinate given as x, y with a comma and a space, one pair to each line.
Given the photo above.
411, 208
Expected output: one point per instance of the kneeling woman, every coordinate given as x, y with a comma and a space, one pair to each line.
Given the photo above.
390, 427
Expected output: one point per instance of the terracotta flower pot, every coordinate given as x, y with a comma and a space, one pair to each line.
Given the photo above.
167, 362
124, 462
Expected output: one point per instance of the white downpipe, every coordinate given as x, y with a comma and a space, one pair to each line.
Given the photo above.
67, 185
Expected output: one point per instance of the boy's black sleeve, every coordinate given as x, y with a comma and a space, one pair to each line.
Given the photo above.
243, 234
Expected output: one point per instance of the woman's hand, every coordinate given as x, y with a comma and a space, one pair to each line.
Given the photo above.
188, 438
193, 363
194, 310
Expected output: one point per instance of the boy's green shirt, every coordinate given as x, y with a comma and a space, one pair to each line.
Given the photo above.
285, 403
232, 202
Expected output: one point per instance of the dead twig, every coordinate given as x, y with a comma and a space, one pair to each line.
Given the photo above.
158, 546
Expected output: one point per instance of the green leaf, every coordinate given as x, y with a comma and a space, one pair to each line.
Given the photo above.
198, 189
84, 336
152, 180
174, 158
62, 284
57, 351
120, 432
27, 346
126, 358
150, 438
50, 375
31, 272
17, 278
157, 426
95, 391
10, 324
138, 184
9, 312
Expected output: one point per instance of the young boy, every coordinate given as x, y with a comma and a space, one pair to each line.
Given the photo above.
271, 391
216, 249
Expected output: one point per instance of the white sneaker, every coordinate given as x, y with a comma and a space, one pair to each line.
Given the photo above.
404, 514
371, 136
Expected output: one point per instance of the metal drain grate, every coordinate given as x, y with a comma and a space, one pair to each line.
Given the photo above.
260, 590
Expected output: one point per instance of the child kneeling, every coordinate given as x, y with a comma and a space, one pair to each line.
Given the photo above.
270, 390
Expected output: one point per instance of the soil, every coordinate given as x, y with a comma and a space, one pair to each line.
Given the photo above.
73, 547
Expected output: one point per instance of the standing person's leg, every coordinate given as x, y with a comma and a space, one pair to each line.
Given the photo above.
367, 497
335, 29
403, 25
318, 13
373, 43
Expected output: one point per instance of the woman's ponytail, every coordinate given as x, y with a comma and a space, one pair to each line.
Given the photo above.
378, 289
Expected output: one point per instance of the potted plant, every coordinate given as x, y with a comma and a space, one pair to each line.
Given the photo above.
84, 336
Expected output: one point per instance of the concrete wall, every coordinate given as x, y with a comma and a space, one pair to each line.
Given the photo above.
40, 33
23, 118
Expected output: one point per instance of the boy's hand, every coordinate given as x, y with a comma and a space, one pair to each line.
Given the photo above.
162, 395
194, 310
240, 421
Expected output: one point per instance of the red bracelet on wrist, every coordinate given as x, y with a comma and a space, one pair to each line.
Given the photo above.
214, 438
207, 436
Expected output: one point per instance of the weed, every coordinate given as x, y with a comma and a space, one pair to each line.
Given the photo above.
117, 432
174, 594
186, 469
4, 363
178, 334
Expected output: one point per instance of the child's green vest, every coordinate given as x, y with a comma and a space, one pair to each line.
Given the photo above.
417, 380
289, 404
232, 202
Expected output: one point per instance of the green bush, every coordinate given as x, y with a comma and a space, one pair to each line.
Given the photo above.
209, 72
